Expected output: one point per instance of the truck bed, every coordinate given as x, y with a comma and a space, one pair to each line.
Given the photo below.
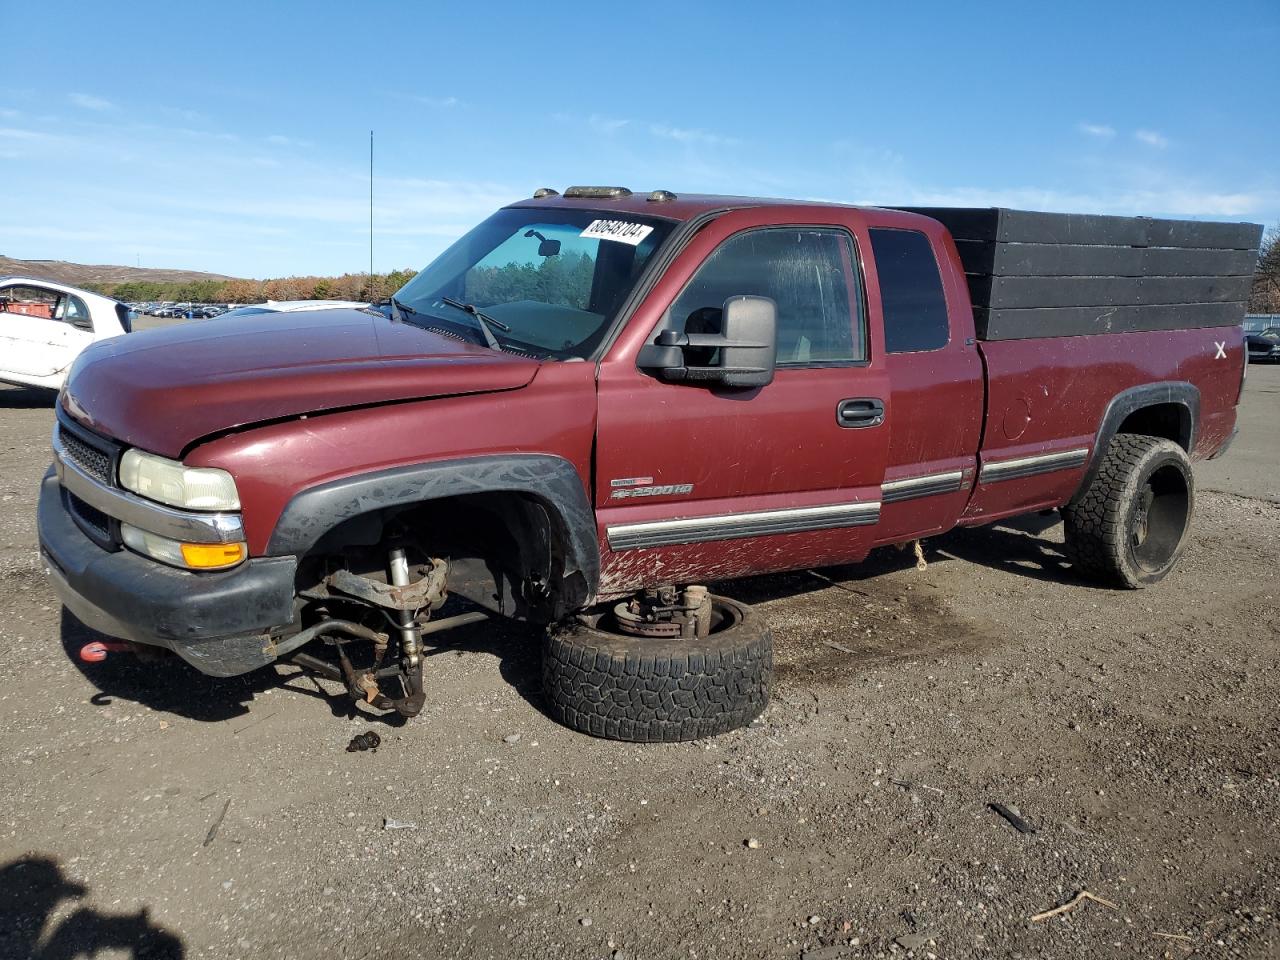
1034, 275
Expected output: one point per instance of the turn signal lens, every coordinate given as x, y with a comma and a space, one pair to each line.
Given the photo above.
210, 556
189, 556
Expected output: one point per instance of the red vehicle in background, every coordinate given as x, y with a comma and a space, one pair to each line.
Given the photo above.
594, 405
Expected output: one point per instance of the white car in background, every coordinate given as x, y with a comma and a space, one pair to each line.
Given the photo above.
293, 306
44, 326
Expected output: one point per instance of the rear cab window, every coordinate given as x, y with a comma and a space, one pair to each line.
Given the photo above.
911, 294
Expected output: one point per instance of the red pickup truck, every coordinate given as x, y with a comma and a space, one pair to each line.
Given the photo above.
594, 405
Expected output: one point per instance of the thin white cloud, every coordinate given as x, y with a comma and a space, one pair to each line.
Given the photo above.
1151, 138
280, 140
8, 114
182, 113
689, 135
442, 102
34, 136
605, 124
89, 102
1099, 130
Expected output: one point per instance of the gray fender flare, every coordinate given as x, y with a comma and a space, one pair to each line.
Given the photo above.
551, 479
1177, 392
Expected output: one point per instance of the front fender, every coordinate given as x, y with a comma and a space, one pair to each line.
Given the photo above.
554, 481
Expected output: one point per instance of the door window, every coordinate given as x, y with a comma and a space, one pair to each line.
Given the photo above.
915, 308
807, 272
32, 302
76, 313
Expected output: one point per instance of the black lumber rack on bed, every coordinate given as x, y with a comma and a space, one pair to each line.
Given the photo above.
1070, 274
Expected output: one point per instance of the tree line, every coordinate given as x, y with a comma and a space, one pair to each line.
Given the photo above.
350, 286
1265, 297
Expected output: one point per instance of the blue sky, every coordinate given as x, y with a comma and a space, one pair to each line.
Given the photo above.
233, 137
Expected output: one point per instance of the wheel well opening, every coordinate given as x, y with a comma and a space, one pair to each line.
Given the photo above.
1169, 421
506, 550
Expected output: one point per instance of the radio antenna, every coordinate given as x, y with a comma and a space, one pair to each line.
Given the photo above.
371, 213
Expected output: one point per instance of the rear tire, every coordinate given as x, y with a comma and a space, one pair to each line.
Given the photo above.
1129, 527
647, 690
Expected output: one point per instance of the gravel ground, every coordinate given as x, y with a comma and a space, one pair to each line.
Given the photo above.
151, 812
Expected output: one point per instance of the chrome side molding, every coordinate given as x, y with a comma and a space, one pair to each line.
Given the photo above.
737, 526
1015, 469
925, 485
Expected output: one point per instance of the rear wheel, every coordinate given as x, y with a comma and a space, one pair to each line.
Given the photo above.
608, 683
1129, 527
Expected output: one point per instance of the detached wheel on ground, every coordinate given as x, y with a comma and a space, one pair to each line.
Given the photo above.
622, 687
1129, 527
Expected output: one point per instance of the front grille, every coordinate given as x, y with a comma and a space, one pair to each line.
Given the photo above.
89, 459
96, 457
90, 518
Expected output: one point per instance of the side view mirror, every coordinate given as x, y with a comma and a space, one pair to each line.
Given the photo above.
742, 354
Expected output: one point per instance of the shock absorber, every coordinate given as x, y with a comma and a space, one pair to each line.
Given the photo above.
410, 632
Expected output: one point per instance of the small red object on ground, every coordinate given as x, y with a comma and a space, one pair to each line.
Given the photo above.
97, 651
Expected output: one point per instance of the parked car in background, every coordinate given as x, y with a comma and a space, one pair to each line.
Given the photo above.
44, 326
293, 306
1264, 345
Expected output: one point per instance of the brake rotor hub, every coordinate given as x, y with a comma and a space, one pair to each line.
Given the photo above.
666, 612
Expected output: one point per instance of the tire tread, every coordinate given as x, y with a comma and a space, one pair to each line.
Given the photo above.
615, 687
1094, 524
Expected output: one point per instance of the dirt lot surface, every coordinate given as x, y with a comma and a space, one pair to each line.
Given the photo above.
148, 811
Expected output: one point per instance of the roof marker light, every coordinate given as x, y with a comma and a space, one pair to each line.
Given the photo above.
596, 193
661, 196
545, 192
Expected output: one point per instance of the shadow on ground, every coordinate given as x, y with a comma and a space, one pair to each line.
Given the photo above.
33, 888
26, 398
920, 628
166, 683
1016, 546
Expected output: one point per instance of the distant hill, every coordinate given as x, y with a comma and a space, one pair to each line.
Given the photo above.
81, 274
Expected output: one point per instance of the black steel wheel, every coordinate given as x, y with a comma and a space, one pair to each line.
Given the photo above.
1129, 527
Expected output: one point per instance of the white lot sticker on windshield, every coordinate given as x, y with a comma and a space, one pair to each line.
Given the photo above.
619, 230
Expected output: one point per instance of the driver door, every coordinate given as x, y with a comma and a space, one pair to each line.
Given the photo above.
697, 483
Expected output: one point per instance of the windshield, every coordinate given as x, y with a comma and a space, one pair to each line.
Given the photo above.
545, 282
1271, 333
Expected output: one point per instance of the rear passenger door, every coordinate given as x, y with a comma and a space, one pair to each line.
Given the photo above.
697, 483
935, 373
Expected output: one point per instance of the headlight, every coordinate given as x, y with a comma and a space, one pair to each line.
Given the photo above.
168, 481
189, 556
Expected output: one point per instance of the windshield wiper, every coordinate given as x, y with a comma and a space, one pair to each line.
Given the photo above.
403, 307
483, 320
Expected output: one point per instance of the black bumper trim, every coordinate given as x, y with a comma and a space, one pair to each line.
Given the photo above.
215, 621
